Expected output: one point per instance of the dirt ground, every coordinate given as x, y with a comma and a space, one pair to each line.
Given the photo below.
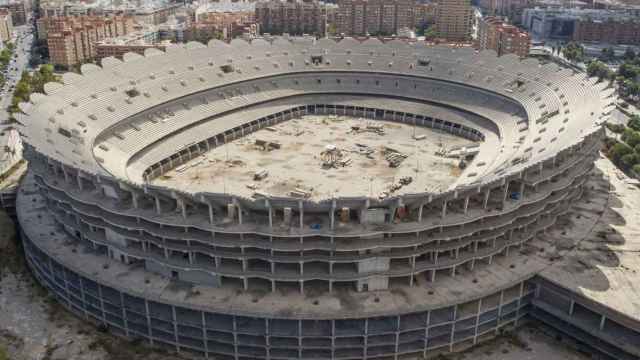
33, 326
530, 342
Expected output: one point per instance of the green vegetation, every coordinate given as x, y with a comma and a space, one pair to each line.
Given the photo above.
600, 70
607, 54
3, 353
30, 83
625, 153
5, 59
574, 52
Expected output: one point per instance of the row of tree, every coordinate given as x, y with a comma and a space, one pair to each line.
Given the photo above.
30, 83
626, 152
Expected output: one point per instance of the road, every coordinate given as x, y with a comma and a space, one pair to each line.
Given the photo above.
23, 37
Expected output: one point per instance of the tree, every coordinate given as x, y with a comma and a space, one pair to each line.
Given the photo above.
629, 54
574, 52
619, 150
615, 128
599, 70
634, 122
607, 54
628, 71
636, 169
631, 137
629, 160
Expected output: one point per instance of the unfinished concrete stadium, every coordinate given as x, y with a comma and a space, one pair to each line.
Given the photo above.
302, 198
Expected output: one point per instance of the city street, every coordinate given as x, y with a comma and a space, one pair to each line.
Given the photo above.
22, 39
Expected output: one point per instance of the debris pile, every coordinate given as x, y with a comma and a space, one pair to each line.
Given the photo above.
391, 188
300, 193
364, 150
260, 174
333, 157
394, 157
267, 145
369, 127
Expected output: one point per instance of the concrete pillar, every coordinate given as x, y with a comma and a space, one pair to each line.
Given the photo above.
183, 207
444, 209
134, 199
521, 191
363, 212
466, 205
603, 319
420, 212
158, 205
239, 211
301, 210
79, 180
270, 211
571, 306
453, 328
485, 202
210, 213
333, 214
505, 193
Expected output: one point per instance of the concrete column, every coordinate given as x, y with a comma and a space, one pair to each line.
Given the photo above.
519, 302
603, 319
79, 180
210, 213
158, 205
453, 328
571, 306
420, 212
466, 205
363, 212
505, 193
148, 315
485, 202
301, 210
333, 214
475, 330
239, 211
521, 191
270, 211
134, 199
444, 209
183, 207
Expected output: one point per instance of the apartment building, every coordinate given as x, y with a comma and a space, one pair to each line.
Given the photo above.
72, 40
144, 37
294, 16
612, 31
18, 11
454, 20
374, 17
425, 14
222, 18
511, 9
6, 25
495, 34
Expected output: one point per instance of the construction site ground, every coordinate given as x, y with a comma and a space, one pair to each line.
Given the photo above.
325, 157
